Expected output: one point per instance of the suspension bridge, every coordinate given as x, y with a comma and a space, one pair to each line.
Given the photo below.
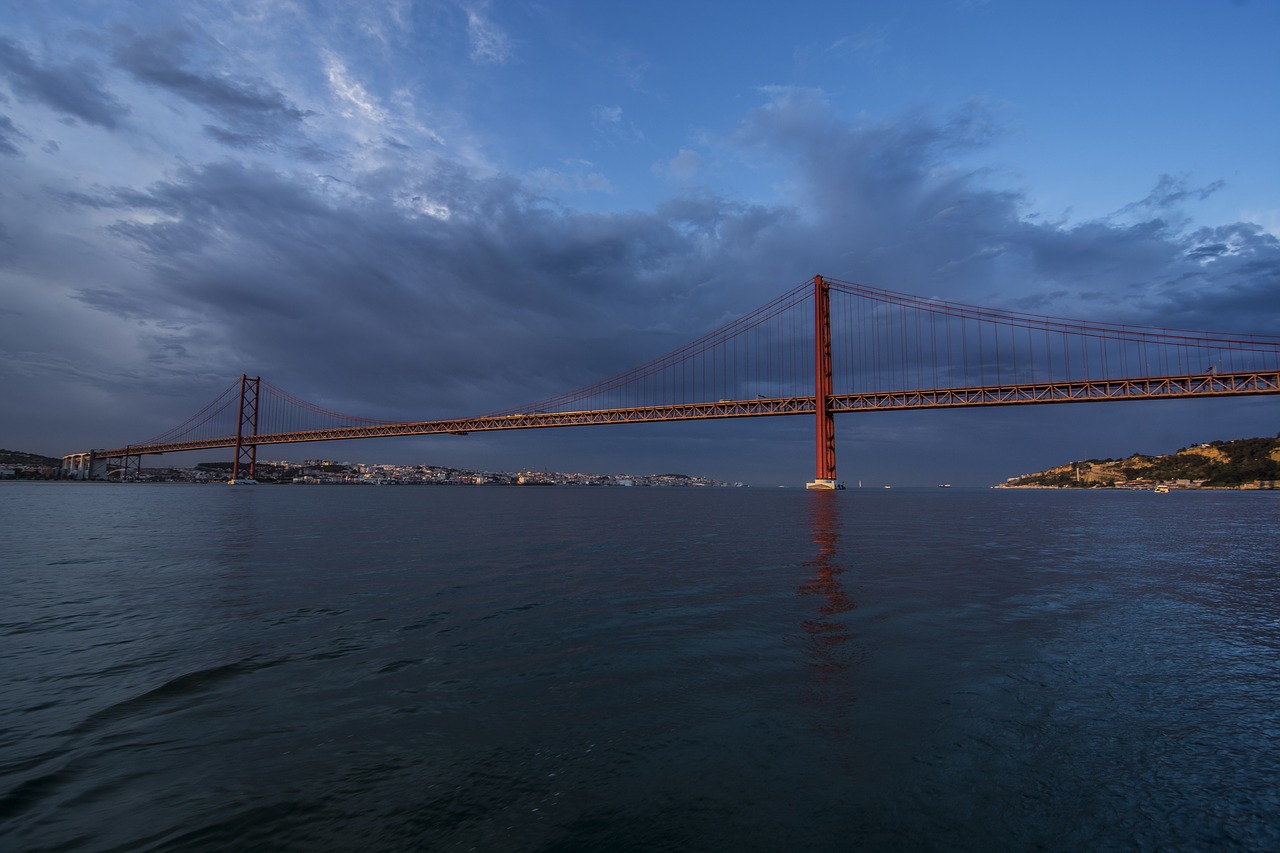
823, 348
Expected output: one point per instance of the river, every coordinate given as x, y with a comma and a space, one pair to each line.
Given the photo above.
490, 668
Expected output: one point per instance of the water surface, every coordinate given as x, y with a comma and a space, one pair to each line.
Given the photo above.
430, 668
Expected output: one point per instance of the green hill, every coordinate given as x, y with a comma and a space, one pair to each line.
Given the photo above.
1242, 463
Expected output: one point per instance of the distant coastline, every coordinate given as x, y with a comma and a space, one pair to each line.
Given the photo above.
1239, 464
16, 465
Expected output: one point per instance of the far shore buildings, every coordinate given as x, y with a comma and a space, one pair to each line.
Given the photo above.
327, 472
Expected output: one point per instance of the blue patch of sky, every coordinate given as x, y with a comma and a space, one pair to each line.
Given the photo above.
1092, 101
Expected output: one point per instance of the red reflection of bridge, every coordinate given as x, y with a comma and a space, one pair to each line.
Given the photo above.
827, 635
823, 348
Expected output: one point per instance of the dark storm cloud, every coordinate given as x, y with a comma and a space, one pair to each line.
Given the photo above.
233, 140
1153, 273
350, 292
882, 200
8, 133
503, 296
73, 89
1233, 280
885, 205
253, 109
1169, 192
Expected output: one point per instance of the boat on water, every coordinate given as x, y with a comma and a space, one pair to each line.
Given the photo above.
944, 485
1161, 489
242, 482
823, 485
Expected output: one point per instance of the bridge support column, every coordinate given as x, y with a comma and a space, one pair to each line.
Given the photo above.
84, 466
132, 472
77, 466
825, 440
246, 461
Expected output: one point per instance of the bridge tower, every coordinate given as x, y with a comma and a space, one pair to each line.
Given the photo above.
246, 450
825, 476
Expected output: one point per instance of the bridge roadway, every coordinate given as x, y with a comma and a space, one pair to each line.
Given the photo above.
1079, 391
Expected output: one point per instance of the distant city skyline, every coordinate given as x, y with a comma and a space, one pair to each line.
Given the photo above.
420, 210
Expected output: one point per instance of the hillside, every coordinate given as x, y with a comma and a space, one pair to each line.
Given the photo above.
16, 465
1240, 464
15, 457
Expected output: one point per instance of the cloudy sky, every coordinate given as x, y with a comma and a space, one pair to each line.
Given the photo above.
420, 209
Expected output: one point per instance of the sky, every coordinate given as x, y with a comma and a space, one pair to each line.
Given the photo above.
418, 210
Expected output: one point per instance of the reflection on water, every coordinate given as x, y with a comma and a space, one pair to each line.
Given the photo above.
238, 521
827, 638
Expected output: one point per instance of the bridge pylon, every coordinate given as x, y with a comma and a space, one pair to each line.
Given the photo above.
825, 439
131, 461
246, 460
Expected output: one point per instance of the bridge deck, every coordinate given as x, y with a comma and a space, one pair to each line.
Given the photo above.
1080, 391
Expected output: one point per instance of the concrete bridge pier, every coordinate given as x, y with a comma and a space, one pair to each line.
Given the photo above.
83, 466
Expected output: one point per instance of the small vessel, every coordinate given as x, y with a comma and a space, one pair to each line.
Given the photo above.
1161, 489
944, 485
242, 482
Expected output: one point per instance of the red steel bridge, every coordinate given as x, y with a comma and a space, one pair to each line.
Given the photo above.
823, 348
